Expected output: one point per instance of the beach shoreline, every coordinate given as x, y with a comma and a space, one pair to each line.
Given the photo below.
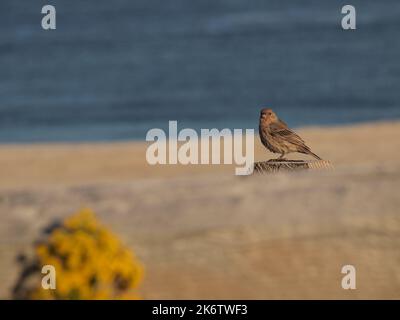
33, 165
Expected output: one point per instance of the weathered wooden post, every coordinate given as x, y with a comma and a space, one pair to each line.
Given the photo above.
276, 165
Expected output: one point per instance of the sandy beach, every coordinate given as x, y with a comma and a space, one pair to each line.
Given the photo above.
202, 232
69, 164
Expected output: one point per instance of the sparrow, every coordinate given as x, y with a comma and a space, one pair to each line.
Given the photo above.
276, 136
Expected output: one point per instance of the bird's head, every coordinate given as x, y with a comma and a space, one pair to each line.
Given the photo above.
267, 115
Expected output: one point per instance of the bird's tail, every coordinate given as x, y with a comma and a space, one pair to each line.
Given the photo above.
314, 155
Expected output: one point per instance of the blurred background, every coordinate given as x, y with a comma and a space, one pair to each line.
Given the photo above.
113, 70
76, 191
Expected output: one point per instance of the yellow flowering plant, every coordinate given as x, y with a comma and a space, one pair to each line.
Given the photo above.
90, 263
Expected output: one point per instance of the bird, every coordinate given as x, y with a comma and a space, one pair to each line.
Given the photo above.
277, 137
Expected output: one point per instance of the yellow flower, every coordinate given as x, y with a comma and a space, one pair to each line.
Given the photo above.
90, 262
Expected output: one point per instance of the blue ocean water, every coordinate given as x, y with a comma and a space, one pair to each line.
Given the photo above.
114, 69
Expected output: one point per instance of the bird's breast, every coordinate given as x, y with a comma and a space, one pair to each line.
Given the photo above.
268, 140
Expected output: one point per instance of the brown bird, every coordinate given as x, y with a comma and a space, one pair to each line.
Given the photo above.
276, 136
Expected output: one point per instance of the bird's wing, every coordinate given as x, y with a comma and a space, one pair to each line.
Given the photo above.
282, 131
283, 123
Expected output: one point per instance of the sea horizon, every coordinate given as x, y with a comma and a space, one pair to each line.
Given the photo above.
127, 139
